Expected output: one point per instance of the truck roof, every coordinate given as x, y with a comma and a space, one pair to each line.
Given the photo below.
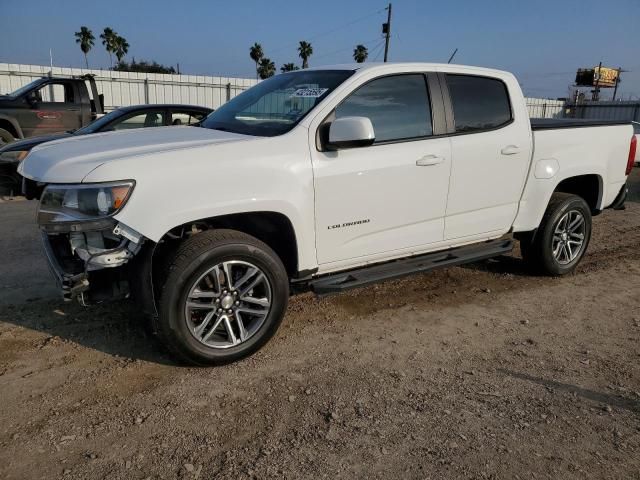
163, 105
410, 65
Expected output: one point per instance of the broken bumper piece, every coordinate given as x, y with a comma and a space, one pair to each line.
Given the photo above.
91, 266
71, 284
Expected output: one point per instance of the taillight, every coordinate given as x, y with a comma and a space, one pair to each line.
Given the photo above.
632, 154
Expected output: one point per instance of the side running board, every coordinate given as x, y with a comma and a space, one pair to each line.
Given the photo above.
341, 281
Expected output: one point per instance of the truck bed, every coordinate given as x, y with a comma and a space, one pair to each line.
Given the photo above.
557, 123
568, 148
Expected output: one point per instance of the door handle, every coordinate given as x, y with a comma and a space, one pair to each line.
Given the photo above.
429, 160
510, 150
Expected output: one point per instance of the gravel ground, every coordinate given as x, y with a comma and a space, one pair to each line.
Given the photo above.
476, 372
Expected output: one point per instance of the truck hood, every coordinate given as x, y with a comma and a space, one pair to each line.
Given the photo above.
70, 160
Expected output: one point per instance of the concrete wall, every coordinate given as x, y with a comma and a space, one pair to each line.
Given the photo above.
627, 110
128, 88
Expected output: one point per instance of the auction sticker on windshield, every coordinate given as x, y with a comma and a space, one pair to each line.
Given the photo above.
309, 92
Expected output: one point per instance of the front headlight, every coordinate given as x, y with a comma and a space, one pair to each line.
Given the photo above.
82, 202
15, 156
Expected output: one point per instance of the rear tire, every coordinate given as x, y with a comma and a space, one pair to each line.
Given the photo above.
224, 297
562, 238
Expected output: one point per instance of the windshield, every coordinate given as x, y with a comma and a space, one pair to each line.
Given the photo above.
99, 123
24, 89
276, 105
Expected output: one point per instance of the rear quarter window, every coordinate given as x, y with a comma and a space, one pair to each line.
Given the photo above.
479, 103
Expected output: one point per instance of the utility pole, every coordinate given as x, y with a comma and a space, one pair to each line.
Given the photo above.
386, 29
615, 89
595, 96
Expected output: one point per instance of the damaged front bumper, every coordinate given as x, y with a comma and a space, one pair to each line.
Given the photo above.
91, 262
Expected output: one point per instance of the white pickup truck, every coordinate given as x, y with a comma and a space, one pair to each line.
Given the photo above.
323, 179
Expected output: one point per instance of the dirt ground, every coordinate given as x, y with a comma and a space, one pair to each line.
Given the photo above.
475, 372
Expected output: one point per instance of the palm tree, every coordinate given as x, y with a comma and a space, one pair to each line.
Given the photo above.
266, 68
289, 67
120, 47
85, 38
256, 54
305, 50
360, 53
108, 37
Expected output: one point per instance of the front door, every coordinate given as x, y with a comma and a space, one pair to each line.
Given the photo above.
390, 196
56, 109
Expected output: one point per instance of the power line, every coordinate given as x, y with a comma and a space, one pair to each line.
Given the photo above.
345, 48
328, 32
380, 49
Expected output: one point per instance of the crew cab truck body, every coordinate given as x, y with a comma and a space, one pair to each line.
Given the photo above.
322, 179
47, 106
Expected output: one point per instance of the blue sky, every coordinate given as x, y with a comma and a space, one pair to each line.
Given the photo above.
543, 42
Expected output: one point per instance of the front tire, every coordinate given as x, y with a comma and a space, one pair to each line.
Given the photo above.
10, 181
224, 297
562, 238
5, 137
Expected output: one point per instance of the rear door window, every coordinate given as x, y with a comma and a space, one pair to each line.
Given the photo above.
398, 107
147, 119
185, 117
479, 103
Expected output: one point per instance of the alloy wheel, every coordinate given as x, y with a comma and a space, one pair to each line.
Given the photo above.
228, 304
568, 237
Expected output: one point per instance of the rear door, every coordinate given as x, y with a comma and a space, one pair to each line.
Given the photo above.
148, 118
384, 199
491, 151
181, 116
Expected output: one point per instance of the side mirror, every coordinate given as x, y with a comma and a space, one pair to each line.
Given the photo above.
32, 98
350, 132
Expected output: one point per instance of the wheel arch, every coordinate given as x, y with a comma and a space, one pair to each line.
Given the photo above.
273, 228
539, 191
11, 125
587, 186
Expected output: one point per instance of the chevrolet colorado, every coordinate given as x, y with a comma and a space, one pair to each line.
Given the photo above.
323, 179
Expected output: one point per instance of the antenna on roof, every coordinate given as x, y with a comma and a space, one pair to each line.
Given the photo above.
452, 55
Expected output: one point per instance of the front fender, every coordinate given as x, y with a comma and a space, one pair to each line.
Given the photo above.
178, 187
